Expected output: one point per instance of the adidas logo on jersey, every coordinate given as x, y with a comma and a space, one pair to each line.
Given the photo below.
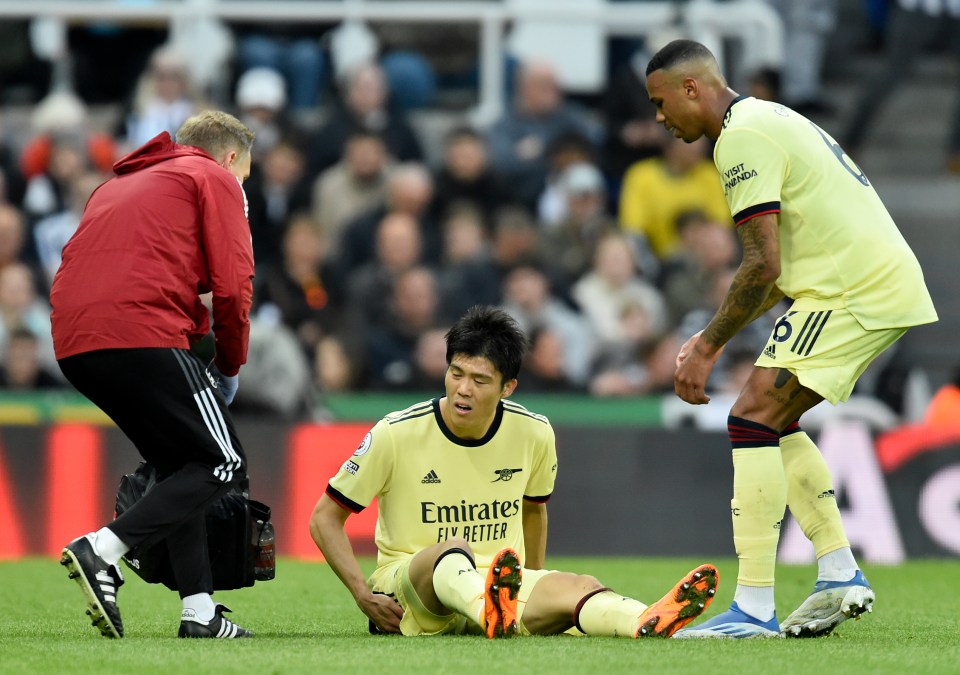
770, 351
431, 477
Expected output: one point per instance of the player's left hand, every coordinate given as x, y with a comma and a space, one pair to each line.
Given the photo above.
383, 610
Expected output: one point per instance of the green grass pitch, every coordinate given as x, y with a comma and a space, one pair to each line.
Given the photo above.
306, 622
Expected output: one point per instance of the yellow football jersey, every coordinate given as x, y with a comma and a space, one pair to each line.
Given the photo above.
432, 485
839, 247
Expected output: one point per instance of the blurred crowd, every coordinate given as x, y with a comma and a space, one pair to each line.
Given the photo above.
609, 241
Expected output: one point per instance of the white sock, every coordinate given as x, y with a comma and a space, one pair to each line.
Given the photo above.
201, 604
108, 545
757, 601
839, 565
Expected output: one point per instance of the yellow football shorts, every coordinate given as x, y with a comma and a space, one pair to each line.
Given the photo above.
825, 347
394, 579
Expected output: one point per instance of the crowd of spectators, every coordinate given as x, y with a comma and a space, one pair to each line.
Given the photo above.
605, 238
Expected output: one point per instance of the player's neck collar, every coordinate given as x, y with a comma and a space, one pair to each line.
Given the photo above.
468, 442
729, 111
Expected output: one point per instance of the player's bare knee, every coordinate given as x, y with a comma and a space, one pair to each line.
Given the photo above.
456, 542
750, 406
772, 418
588, 584
773, 397
746, 412
577, 584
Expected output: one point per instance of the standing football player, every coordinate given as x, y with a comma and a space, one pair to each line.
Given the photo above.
462, 483
813, 230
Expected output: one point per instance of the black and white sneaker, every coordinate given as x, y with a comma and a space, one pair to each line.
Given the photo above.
219, 627
99, 581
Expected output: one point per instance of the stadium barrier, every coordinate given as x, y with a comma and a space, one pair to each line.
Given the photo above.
754, 25
621, 490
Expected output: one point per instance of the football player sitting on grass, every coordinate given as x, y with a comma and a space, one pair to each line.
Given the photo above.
462, 483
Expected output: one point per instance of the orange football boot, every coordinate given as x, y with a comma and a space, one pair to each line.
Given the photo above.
500, 597
684, 603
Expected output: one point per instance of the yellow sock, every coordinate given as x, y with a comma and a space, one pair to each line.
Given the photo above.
459, 585
759, 499
609, 614
810, 493
758, 504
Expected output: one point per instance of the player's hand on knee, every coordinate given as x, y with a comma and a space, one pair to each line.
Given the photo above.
227, 384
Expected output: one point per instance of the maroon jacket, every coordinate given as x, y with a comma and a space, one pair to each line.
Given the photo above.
170, 226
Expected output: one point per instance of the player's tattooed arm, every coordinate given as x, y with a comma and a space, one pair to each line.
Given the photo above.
752, 291
776, 295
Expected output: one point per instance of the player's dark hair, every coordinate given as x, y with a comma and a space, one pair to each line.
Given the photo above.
491, 333
676, 52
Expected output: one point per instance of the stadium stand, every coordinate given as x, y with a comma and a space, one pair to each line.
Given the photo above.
905, 162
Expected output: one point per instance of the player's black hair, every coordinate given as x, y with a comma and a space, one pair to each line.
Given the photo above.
676, 52
491, 333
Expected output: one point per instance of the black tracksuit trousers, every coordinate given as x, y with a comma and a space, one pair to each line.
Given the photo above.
164, 401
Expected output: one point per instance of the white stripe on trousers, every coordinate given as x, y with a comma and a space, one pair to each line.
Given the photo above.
215, 424
210, 412
235, 464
